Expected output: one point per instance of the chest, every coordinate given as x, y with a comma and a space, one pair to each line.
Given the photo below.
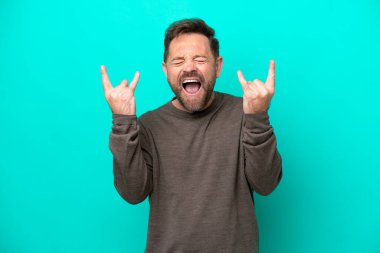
197, 156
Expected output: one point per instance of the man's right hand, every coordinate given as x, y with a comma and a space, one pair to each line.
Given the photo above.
121, 99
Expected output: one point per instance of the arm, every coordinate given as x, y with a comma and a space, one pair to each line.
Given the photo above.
132, 174
262, 161
132, 161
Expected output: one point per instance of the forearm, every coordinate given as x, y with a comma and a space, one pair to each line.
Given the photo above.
132, 173
263, 164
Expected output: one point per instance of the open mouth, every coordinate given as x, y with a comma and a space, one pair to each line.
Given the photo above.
191, 86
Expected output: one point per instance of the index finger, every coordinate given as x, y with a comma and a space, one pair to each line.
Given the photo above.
135, 80
105, 80
270, 82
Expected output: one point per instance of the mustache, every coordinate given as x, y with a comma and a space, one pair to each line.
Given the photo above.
191, 74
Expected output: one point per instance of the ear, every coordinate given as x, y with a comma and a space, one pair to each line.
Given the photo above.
218, 65
163, 65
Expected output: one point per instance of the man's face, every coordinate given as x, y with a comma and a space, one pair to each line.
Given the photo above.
191, 70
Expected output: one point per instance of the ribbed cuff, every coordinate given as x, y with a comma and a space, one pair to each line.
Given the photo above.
123, 124
258, 122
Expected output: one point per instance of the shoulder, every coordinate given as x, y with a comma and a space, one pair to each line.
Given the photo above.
231, 97
231, 101
150, 117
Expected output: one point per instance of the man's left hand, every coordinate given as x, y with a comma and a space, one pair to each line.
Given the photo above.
257, 95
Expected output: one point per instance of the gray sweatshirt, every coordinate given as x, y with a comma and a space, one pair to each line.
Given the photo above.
199, 171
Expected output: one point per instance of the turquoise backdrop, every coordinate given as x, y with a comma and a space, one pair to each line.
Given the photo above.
56, 182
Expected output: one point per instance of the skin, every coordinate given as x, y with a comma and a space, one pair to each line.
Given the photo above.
190, 55
256, 94
121, 98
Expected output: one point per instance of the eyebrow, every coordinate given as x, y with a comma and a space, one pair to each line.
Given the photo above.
182, 58
202, 56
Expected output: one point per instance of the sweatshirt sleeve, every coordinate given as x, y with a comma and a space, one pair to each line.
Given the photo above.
262, 161
132, 160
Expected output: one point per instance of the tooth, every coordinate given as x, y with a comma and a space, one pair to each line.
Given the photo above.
190, 81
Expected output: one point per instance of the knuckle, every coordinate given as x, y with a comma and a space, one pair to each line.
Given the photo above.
250, 94
113, 95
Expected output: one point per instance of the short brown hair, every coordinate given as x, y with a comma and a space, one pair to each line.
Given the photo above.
193, 25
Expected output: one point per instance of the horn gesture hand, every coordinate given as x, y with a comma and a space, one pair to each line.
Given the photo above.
257, 95
121, 98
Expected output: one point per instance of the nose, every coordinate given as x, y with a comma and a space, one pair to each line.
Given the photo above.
189, 66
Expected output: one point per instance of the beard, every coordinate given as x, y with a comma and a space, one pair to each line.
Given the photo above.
194, 103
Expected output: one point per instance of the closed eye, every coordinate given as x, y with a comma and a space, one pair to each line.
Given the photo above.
200, 59
177, 61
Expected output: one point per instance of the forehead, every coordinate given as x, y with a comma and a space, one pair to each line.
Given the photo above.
189, 44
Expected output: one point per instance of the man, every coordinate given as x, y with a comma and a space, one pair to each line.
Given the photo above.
200, 156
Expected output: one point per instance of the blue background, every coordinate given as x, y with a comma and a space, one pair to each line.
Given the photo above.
56, 182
